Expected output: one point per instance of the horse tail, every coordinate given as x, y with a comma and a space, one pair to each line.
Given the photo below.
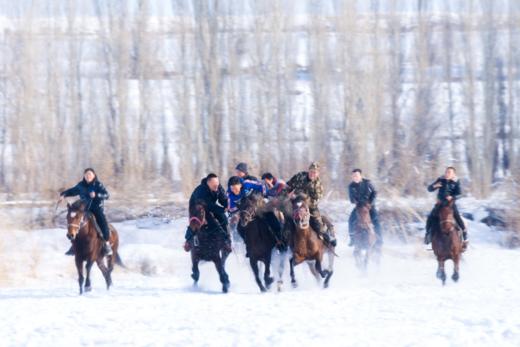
118, 260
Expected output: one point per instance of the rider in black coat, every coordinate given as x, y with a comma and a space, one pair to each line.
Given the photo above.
214, 197
93, 193
361, 191
449, 189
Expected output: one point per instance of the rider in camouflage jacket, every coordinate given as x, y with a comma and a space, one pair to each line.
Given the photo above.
309, 183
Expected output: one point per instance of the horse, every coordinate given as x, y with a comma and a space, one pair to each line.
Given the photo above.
364, 236
253, 227
87, 243
208, 245
447, 242
305, 243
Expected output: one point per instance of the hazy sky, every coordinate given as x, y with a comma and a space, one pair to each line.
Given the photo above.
46, 8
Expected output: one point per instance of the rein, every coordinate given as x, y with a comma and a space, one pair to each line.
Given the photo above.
196, 219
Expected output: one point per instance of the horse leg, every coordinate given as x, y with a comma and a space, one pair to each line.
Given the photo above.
281, 268
455, 276
224, 279
254, 265
195, 273
79, 267
357, 257
441, 274
267, 273
330, 269
323, 273
88, 267
293, 278
314, 272
105, 271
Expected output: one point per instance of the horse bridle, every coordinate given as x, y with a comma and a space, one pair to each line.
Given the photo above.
251, 216
79, 226
199, 221
306, 214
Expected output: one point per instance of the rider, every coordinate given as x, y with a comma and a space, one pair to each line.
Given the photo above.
449, 190
309, 183
212, 194
93, 193
239, 188
274, 187
361, 191
242, 171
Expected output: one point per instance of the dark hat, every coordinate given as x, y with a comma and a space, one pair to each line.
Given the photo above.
242, 167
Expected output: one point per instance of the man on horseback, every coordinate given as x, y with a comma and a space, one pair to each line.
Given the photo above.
274, 187
242, 172
93, 193
449, 190
237, 189
362, 192
211, 193
309, 183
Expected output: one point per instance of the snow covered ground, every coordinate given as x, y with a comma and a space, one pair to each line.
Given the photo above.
399, 303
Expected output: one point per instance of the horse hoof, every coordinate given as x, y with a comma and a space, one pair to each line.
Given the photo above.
225, 288
269, 281
263, 290
88, 289
279, 286
294, 284
455, 277
195, 277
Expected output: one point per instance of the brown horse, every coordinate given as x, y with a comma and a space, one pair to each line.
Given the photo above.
447, 242
305, 243
364, 237
88, 245
208, 244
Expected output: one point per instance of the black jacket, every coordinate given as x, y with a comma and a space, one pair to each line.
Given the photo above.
448, 188
83, 189
362, 192
203, 194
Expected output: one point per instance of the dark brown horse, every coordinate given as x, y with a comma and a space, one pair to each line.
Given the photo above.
88, 245
447, 242
364, 236
253, 227
305, 243
208, 245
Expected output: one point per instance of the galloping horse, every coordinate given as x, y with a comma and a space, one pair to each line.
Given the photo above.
447, 242
305, 243
253, 227
88, 244
208, 244
364, 237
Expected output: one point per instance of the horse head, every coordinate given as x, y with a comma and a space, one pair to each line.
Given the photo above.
301, 213
363, 216
248, 207
197, 217
75, 218
446, 217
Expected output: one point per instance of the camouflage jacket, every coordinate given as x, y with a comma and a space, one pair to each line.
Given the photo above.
300, 183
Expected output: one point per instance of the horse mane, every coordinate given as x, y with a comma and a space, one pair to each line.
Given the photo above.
78, 206
193, 207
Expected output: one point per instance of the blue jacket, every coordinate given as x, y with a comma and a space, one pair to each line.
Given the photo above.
247, 188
